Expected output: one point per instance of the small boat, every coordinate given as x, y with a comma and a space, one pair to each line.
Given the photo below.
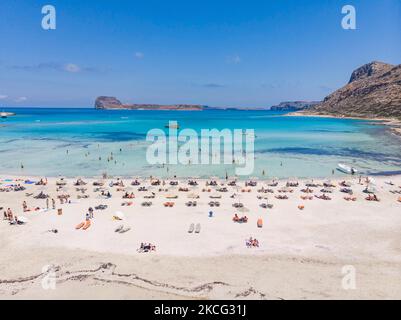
346, 169
172, 126
5, 115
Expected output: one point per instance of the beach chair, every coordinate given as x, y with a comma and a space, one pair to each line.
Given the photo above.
124, 230
87, 225
119, 228
198, 228
79, 226
191, 228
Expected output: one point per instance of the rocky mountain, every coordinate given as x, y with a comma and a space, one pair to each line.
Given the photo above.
374, 91
294, 105
111, 103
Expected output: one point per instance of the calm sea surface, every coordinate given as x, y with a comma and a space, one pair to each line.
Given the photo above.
79, 142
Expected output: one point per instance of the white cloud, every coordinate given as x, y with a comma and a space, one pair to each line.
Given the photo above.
236, 59
71, 67
139, 55
21, 99
3, 96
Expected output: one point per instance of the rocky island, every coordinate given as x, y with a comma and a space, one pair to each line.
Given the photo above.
112, 103
294, 105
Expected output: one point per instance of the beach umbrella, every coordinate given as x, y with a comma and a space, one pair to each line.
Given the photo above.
149, 195
370, 188
119, 215
215, 196
310, 183
193, 196
285, 189
329, 183
272, 181
22, 220
243, 209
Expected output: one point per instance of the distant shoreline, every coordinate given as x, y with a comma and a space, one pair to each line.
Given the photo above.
393, 124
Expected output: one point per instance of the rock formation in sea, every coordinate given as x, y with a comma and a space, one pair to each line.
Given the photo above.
294, 105
110, 103
374, 91
107, 103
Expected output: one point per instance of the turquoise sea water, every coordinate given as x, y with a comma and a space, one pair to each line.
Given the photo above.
39, 138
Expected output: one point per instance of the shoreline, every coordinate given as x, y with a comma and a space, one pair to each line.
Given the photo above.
181, 179
393, 124
98, 276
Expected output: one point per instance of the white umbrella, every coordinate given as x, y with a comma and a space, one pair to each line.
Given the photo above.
119, 215
22, 220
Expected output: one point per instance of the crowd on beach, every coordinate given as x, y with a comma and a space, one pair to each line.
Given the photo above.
172, 189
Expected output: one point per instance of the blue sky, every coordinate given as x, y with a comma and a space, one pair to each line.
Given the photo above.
218, 53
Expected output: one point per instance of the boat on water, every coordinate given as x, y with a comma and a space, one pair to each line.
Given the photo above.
172, 126
5, 115
346, 169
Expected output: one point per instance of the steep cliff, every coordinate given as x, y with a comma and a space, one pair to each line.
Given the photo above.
374, 91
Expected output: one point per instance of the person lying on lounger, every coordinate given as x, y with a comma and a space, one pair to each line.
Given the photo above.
372, 198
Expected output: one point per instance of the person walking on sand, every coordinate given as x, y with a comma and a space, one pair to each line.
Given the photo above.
9, 214
90, 213
47, 203
24, 206
53, 204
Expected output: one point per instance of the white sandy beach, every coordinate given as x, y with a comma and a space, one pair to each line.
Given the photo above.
301, 252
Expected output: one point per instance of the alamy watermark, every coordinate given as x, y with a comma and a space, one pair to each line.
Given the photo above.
213, 146
349, 20
49, 19
348, 281
50, 278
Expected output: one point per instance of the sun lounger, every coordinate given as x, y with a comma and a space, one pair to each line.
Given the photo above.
197, 228
124, 230
191, 228
86, 225
119, 228
79, 226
